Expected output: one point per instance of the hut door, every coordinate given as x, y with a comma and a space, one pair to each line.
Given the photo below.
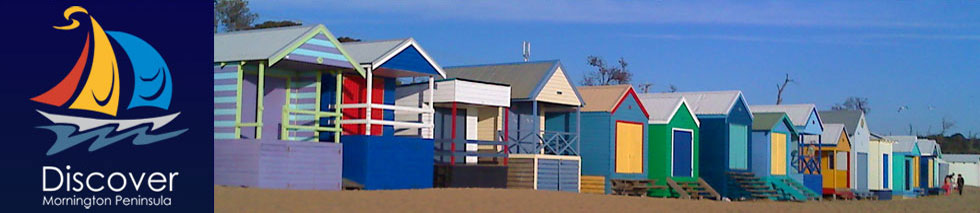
884, 171
629, 147
908, 174
778, 154
683, 152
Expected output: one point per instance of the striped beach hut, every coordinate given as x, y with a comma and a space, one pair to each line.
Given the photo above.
860, 137
836, 167
373, 155
880, 162
267, 89
614, 147
468, 116
807, 121
541, 128
906, 166
723, 137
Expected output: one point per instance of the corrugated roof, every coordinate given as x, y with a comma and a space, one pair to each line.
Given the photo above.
766, 120
372, 51
927, 146
850, 118
903, 143
602, 98
259, 44
964, 158
522, 77
703, 103
831, 133
662, 109
798, 113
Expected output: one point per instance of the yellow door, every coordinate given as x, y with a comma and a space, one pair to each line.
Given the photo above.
778, 154
629, 147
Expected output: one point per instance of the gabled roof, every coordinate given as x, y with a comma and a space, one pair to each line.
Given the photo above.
526, 79
875, 136
850, 118
927, 146
663, 109
798, 113
271, 44
904, 143
378, 53
769, 120
832, 133
705, 103
608, 98
962, 158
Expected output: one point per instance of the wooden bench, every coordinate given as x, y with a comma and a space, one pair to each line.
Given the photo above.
633, 187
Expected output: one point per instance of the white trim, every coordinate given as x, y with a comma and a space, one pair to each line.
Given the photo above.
676, 108
388, 107
543, 156
672, 145
386, 123
404, 45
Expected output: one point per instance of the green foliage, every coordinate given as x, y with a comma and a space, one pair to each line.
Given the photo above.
274, 24
347, 39
957, 144
234, 15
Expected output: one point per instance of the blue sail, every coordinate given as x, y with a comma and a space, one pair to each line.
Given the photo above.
152, 81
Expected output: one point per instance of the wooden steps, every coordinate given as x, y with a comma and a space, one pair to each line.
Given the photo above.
756, 188
693, 189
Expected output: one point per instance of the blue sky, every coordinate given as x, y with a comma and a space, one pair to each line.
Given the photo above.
920, 54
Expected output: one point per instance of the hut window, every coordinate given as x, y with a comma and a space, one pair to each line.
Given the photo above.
559, 92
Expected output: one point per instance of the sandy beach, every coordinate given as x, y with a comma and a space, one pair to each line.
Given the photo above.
236, 199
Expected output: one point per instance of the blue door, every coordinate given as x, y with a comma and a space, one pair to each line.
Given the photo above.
682, 154
884, 171
908, 174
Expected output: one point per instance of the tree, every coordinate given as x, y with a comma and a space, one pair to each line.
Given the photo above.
779, 93
234, 15
672, 89
644, 87
274, 24
605, 75
347, 39
853, 103
946, 124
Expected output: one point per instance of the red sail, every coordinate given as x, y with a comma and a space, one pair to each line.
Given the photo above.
60, 93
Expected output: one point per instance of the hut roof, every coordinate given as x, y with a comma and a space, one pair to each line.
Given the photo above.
962, 158
378, 53
850, 118
524, 78
798, 113
705, 103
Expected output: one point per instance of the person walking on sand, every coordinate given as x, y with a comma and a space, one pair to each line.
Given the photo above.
946, 183
959, 184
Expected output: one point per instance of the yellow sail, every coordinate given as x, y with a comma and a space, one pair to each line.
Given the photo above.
101, 90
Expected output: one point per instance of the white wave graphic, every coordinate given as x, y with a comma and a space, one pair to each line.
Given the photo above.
89, 123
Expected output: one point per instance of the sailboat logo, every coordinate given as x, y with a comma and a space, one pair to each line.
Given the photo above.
100, 92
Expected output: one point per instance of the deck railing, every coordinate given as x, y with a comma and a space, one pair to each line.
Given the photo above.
544, 142
448, 150
371, 121
286, 125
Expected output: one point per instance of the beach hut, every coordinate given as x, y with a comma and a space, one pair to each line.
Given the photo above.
807, 121
675, 149
906, 166
860, 137
774, 138
614, 147
541, 128
836, 167
880, 162
373, 156
967, 165
468, 115
266, 95
929, 166
723, 139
